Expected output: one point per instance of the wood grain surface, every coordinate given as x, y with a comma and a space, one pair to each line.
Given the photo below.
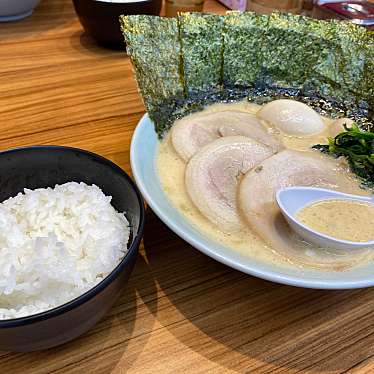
182, 312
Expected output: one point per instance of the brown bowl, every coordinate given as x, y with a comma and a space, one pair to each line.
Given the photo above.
100, 19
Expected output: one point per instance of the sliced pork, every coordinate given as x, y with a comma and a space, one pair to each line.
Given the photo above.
257, 203
191, 133
213, 173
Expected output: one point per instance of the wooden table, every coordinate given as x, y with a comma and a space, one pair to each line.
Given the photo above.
182, 312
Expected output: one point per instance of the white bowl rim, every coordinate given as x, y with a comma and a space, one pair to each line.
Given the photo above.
274, 276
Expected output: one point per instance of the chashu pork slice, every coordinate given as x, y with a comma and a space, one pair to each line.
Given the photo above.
213, 173
256, 199
191, 133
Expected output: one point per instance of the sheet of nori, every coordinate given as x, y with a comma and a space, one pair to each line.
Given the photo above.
154, 47
367, 84
341, 70
279, 49
289, 50
201, 42
242, 35
227, 57
292, 51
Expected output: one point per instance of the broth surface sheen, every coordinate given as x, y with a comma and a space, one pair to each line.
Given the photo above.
341, 219
171, 172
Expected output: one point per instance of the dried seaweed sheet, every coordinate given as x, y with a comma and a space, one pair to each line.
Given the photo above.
242, 35
154, 47
277, 48
341, 69
201, 42
290, 50
366, 85
195, 59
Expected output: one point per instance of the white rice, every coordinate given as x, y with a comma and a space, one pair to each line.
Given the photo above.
55, 244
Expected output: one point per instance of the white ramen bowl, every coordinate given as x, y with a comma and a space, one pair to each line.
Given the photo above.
143, 154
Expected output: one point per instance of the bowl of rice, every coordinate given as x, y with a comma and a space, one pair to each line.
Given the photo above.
70, 227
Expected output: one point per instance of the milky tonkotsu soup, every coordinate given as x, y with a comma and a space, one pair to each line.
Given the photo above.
341, 219
221, 167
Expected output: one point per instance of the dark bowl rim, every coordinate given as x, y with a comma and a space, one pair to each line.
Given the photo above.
88, 295
123, 5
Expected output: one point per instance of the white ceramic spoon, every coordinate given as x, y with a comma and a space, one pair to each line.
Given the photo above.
291, 199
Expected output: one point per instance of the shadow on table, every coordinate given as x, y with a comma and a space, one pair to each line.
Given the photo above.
49, 14
103, 348
81, 41
259, 325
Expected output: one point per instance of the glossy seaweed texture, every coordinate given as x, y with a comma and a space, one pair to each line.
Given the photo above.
196, 58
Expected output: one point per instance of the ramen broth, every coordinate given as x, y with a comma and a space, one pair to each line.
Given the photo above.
171, 171
341, 219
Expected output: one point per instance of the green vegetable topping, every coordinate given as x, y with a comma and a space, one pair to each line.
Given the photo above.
357, 146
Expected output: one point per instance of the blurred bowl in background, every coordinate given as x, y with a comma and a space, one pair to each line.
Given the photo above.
100, 18
13, 10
